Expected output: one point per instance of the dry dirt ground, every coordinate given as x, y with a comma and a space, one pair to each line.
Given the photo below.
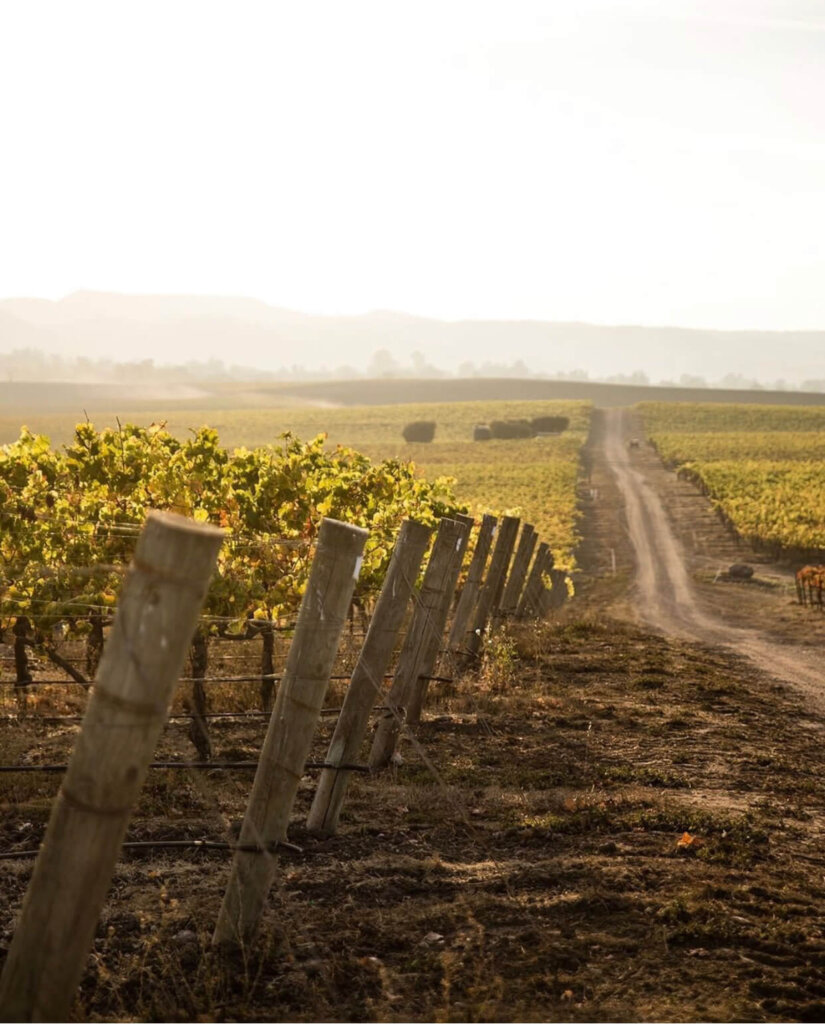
524, 862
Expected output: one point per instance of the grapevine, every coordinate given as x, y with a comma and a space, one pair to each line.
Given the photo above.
69, 518
763, 467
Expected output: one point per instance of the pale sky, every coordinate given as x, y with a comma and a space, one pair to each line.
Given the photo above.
636, 161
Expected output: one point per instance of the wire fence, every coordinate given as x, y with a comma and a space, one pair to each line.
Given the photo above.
261, 677
203, 767
130, 528
185, 719
257, 831
180, 844
217, 766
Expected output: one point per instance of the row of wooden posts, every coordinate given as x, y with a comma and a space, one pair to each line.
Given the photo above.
133, 689
810, 585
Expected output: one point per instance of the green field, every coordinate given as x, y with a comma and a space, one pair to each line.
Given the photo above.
762, 466
535, 478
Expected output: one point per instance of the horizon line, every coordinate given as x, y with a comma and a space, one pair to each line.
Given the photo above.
388, 311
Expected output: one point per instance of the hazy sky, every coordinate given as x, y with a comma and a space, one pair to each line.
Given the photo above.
645, 161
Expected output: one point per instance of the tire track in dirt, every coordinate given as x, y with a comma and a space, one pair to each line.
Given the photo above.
666, 599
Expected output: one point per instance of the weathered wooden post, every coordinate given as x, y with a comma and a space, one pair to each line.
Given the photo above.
490, 595
518, 572
367, 678
532, 591
553, 597
142, 661
469, 593
418, 640
198, 729
291, 727
417, 693
469, 522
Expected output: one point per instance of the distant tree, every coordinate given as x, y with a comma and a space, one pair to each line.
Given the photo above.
383, 364
419, 364
735, 381
691, 380
638, 378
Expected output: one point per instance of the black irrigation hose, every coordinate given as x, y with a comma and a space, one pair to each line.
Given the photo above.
201, 765
180, 844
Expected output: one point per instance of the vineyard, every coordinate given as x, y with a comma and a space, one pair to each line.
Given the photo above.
127, 710
69, 519
763, 467
252, 553
536, 478
390, 777
69, 515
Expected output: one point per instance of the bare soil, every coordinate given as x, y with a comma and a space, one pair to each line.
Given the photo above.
529, 859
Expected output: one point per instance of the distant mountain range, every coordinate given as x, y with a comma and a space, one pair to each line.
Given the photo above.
176, 329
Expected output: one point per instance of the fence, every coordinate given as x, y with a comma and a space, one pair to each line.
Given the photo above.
154, 626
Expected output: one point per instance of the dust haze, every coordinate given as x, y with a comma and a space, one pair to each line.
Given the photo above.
96, 336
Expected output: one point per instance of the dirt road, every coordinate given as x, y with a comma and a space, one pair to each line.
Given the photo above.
666, 598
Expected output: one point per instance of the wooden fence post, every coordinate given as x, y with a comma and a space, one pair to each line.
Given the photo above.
198, 729
367, 678
128, 706
490, 594
418, 639
554, 597
532, 591
469, 593
469, 522
291, 728
419, 684
518, 572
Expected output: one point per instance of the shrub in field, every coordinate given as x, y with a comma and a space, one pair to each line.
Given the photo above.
550, 424
422, 431
481, 432
509, 430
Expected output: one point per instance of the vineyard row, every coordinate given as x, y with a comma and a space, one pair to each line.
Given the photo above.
157, 614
